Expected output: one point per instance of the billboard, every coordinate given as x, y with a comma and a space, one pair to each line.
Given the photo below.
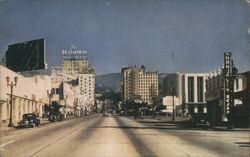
26, 56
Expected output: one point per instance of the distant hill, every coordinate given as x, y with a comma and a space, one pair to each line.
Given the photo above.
108, 82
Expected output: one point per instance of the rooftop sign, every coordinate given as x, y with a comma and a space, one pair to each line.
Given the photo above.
74, 54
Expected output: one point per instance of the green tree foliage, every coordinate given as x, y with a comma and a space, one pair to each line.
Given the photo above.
112, 95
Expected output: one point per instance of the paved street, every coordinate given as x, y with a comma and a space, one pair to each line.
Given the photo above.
106, 136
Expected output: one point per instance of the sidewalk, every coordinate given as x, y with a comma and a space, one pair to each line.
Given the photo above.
186, 121
224, 128
168, 119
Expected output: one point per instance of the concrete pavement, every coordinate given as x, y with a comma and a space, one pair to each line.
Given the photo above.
116, 136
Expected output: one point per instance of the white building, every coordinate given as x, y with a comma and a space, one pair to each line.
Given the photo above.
87, 87
76, 65
189, 89
61, 87
193, 92
29, 95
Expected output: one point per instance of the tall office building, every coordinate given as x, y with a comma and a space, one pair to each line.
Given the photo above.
137, 84
76, 64
75, 61
74, 67
87, 87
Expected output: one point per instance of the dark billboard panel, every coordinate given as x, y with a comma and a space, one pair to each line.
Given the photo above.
26, 56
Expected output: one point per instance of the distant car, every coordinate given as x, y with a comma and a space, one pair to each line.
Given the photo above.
200, 120
30, 120
107, 114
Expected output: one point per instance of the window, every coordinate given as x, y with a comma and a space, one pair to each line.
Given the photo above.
57, 91
200, 89
237, 83
190, 89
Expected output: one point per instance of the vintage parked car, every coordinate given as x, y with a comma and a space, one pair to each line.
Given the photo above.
30, 120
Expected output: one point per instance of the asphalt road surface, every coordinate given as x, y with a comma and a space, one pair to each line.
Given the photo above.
115, 136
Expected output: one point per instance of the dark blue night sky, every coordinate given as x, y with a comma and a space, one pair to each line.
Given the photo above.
164, 35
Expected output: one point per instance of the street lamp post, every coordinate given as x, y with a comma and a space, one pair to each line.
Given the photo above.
50, 95
11, 85
65, 106
173, 94
65, 100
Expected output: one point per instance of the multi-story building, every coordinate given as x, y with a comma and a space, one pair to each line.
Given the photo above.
75, 61
25, 100
128, 83
81, 75
137, 84
215, 97
189, 90
87, 87
193, 93
76, 66
62, 89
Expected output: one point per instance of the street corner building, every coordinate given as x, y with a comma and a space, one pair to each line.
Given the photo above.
29, 95
216, 102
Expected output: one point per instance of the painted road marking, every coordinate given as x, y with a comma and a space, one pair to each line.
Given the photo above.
5, 144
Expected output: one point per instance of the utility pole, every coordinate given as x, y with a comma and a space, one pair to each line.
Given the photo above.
173, 94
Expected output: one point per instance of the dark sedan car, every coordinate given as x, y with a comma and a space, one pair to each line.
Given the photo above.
30, 120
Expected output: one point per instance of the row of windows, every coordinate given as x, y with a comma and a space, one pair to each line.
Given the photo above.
147, 89
148, 74
86, 78
88, 90
73, 69
148, 78
147, 84
85, 84
147, 81
144, 93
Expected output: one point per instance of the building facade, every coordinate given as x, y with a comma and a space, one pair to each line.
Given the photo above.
193, 93
216, 99
137, 84
76, 66
29, 95
87, 87
189, 91
173, 83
